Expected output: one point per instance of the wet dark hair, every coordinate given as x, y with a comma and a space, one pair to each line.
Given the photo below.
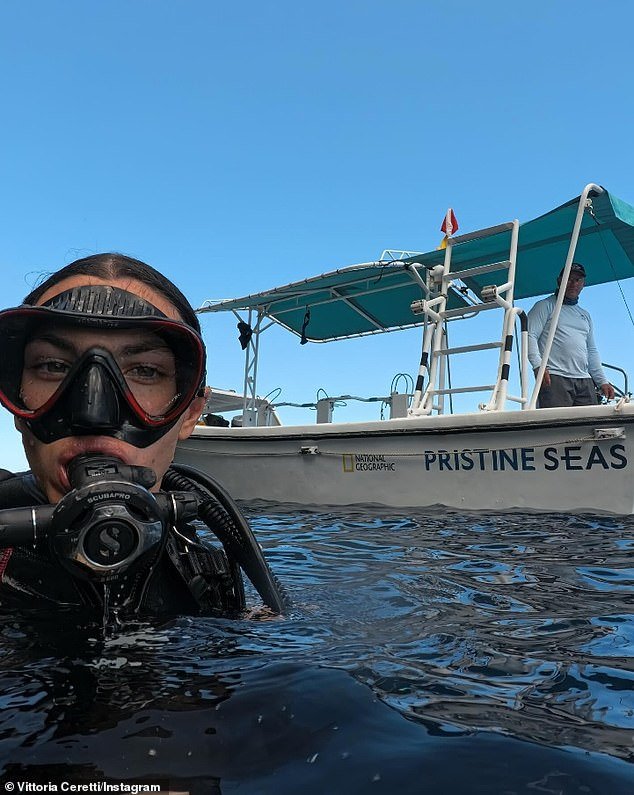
118, 266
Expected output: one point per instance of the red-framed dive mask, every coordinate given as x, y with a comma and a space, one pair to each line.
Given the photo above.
99, 361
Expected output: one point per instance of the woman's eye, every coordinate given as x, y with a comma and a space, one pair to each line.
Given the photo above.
145, 372
51, 368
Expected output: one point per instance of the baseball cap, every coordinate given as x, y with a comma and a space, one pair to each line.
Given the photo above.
576, 267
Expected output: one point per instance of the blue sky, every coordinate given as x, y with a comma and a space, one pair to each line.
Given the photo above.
238, 146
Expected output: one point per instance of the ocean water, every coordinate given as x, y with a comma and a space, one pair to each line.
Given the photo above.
431, 652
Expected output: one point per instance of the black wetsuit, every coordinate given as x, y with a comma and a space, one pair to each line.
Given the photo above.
190, 577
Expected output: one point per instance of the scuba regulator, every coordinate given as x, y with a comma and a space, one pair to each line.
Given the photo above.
108, 522
110, 525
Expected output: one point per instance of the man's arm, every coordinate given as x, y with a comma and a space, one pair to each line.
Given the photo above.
594, 365
537, 319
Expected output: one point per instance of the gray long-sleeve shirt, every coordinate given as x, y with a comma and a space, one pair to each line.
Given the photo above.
574, 353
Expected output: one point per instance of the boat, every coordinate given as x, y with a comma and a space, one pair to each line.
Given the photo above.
502, 455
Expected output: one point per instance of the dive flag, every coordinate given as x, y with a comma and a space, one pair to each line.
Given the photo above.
449, 225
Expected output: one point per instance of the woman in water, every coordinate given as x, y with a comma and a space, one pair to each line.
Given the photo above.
103, 368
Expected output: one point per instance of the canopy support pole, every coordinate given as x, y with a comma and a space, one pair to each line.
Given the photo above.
584, 203
249, 407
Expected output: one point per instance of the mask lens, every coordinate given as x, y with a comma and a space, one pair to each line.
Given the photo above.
148, 366
162, 369
146, 363
46, 364
156, 365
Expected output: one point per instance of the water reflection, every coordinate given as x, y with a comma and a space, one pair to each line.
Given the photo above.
475, 654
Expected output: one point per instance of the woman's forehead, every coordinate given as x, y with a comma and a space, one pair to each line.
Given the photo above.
73, 338
130, 285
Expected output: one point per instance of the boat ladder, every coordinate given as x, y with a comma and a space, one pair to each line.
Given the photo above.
435, 351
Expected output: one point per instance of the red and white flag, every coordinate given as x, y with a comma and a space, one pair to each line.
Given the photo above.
450, 224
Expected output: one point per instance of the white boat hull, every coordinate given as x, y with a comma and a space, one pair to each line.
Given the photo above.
577, 459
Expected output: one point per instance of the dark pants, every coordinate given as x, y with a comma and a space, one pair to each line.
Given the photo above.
565, 391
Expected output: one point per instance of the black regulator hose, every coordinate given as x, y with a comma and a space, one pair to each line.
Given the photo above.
20, 526
223, 517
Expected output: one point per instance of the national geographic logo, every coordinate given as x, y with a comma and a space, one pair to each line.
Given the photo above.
366, 462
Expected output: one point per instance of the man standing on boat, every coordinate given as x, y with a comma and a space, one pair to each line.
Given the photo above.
574, 365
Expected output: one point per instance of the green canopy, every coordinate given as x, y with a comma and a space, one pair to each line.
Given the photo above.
376, 297
605, 248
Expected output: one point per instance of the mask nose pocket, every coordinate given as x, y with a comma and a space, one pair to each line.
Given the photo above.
94, 400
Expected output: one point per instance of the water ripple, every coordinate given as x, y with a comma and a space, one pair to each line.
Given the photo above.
480, 638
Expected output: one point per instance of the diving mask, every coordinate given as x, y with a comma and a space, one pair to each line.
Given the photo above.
98, 360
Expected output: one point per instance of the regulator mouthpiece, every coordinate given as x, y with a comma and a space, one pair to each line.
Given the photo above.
89, 468
110, 521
